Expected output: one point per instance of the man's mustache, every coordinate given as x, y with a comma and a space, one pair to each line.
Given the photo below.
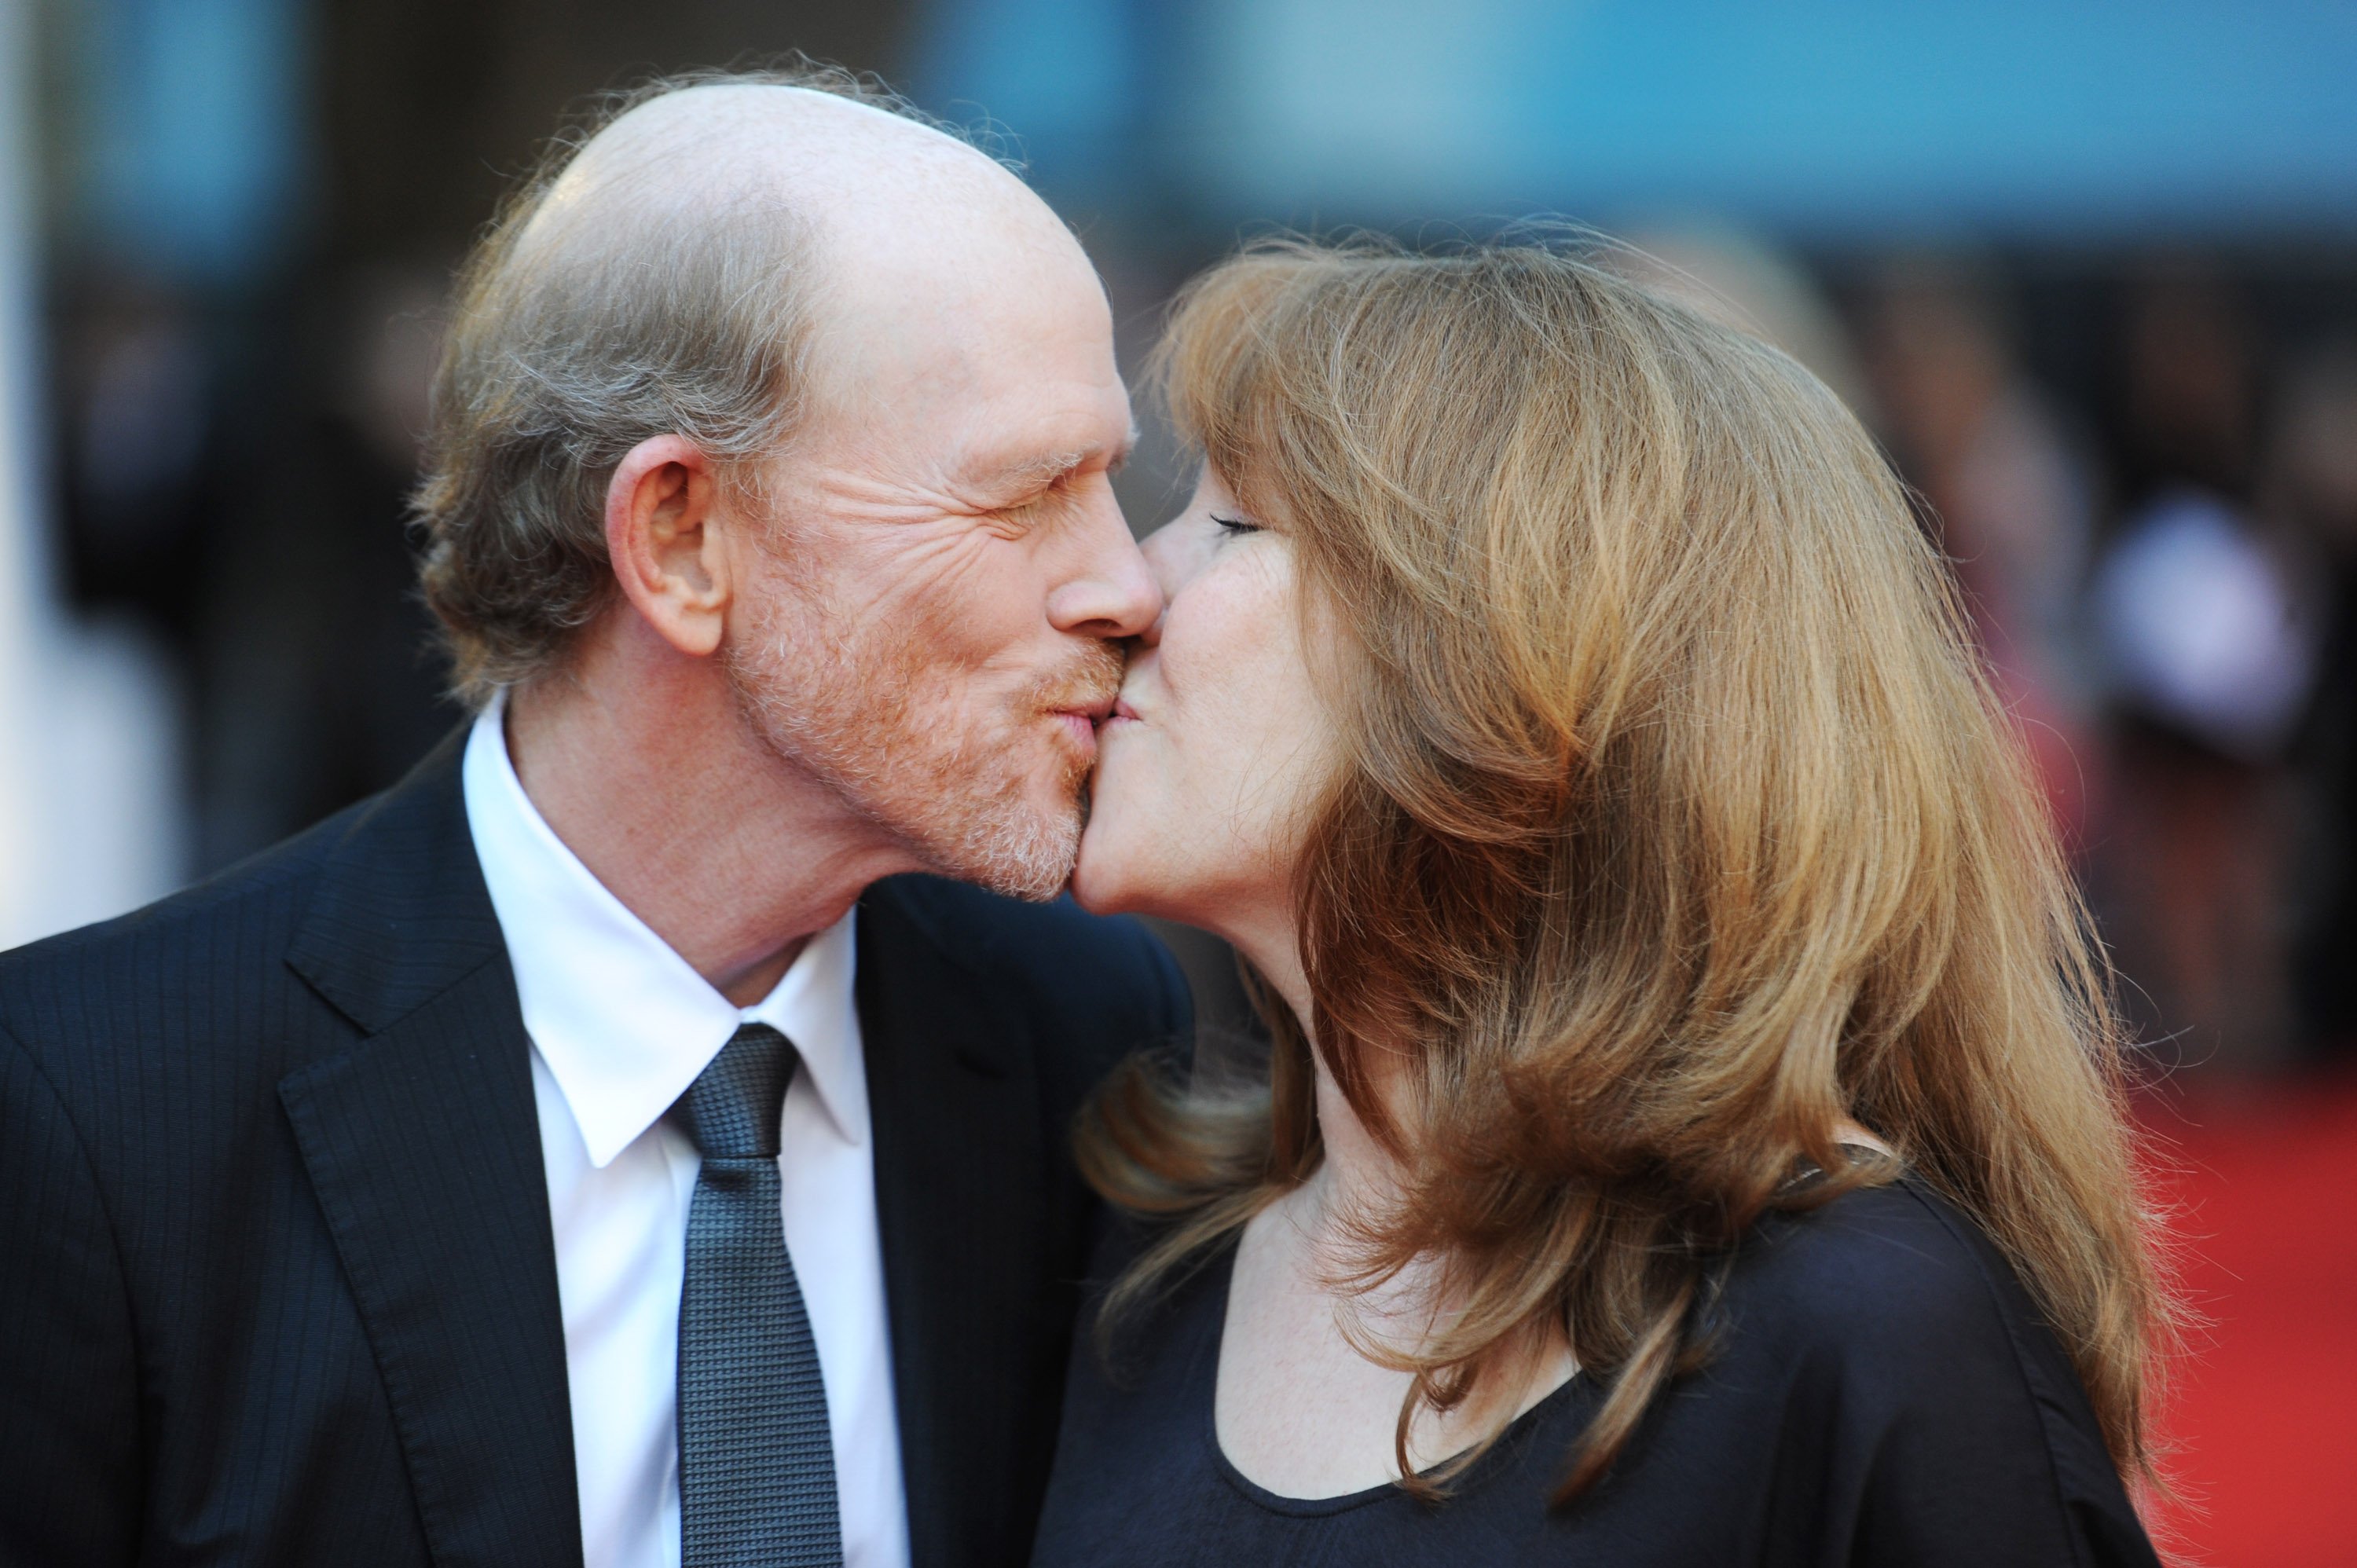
1091, 679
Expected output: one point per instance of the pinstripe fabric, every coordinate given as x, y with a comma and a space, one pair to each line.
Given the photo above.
277, 1284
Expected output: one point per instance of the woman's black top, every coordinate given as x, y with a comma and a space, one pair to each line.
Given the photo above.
1881, 1391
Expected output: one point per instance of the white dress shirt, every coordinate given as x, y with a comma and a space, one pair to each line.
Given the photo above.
620, 1026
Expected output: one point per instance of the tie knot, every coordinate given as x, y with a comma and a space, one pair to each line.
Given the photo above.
731, 1110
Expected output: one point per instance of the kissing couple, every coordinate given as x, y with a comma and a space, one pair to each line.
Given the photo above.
683, 1123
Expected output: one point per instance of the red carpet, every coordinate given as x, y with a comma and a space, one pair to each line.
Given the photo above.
2263, 1414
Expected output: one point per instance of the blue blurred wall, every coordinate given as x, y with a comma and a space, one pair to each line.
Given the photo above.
1815, 118
195, 133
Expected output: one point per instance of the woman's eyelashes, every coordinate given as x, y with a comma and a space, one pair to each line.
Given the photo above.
1234, 527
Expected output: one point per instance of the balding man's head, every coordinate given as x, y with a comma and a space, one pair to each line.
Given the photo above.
799, 413
833, 156
718, 250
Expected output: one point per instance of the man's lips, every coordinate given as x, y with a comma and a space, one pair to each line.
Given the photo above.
1080, 719
1089, 713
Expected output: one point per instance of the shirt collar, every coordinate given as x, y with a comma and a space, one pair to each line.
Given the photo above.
624, 1025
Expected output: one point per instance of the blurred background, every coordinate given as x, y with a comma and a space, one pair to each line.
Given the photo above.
2089, 268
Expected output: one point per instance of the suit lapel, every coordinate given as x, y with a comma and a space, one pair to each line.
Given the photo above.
960, 1175
423, 1145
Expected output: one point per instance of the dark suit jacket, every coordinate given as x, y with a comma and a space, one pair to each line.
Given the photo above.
276, 1278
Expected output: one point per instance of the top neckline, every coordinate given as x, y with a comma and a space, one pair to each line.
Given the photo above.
1220, 1276
1260, 1497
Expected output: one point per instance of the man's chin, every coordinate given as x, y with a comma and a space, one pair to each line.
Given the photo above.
1027, 855
1040, 884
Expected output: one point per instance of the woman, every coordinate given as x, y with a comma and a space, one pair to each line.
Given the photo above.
1693, 1129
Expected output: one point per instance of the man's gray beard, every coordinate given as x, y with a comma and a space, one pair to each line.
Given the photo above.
847, 713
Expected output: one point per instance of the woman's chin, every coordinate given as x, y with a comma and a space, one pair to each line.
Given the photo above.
1098, 883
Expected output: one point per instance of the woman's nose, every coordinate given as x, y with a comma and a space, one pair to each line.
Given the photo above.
1169, 556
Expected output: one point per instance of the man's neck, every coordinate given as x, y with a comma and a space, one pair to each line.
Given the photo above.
648, 771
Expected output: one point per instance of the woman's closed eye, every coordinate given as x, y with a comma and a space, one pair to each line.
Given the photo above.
1234, 527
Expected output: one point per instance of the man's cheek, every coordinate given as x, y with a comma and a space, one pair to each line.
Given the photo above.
980, 631
957, 558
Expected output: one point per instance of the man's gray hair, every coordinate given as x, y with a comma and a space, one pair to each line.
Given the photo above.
552, 373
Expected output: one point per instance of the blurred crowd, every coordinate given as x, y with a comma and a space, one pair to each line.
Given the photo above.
2163, 571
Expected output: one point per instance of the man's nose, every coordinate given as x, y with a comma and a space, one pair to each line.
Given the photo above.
1112, 592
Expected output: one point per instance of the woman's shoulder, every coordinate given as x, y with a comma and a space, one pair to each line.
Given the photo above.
1890, 1304
1893, 1286
1878, 1264
1874, 1368
1891, 1315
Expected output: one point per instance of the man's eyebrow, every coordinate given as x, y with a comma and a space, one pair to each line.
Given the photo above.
1039, 471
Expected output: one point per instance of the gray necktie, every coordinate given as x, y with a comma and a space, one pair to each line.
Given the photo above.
756, 1464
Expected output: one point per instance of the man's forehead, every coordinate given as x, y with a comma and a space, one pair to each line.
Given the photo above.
1004, 422
962, 279
938, 359
1018, 369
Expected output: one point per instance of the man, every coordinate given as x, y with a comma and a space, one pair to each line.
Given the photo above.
583, 1151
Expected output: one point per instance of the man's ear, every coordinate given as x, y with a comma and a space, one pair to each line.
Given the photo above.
666, 553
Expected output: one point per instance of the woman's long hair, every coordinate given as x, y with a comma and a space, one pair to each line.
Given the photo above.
1676, 822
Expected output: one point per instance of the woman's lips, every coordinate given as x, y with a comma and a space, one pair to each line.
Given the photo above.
1121, 710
